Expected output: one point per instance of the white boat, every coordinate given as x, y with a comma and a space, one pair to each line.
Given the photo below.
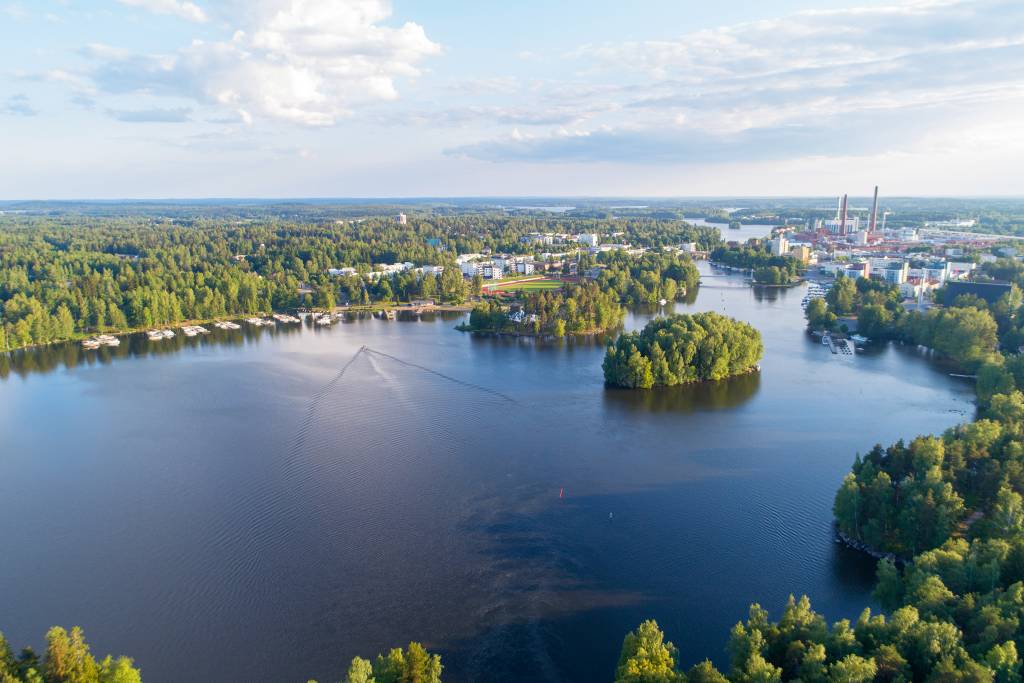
155, 335
662, 302
90, 344
167, 333
108, 340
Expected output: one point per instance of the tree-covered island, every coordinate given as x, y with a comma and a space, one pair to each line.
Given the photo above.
680, 349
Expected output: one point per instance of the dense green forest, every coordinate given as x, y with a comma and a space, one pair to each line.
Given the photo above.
949, 508
948, 514
968, 332
768, 269
69, 275
680, 349
592, 306
67, 660
646, 279
580, 309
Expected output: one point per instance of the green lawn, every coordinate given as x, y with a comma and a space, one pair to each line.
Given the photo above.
532, 285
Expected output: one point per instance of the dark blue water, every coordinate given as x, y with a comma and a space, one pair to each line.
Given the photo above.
235, 508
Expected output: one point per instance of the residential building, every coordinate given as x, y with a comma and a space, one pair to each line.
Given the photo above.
894, 273
341, 272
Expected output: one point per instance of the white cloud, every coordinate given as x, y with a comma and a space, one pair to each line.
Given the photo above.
305, 61
18, 105
830, 83
189, 11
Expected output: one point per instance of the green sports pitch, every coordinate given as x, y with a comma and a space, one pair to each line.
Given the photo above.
531, 285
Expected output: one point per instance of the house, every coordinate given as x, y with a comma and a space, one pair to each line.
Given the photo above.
341, 272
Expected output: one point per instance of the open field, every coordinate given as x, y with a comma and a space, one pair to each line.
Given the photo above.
532, 285
523, 285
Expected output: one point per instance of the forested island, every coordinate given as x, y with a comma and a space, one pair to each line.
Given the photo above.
680, 349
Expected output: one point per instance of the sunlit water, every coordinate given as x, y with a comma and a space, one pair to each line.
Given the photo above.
264, 505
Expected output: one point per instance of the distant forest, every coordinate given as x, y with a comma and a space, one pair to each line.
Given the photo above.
66, 276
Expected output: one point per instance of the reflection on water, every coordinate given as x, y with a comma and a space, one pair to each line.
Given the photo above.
44, 359
237, 499
686, 398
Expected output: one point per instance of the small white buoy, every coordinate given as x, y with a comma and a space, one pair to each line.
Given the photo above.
609, 515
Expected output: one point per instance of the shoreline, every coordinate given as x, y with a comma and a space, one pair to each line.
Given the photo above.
852, 543
369, 308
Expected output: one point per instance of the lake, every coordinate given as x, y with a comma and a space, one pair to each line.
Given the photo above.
263, 505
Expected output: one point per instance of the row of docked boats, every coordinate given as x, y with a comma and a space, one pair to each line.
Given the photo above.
195, 330
325, 319
157, 335
101, 340
815, 290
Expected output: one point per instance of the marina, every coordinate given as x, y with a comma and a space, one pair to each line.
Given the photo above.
101, 340
157, 335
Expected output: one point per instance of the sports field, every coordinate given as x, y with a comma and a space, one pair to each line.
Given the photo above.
529, 286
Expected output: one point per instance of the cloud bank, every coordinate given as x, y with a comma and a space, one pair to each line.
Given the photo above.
308, 62
829, 83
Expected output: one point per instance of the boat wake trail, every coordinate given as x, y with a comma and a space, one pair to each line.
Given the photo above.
409, 494
439, 374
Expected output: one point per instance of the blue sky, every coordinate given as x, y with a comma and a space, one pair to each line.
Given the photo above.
294, 98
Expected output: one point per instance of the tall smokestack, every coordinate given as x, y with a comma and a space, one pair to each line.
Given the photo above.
839, 207
842, 216
874, 212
